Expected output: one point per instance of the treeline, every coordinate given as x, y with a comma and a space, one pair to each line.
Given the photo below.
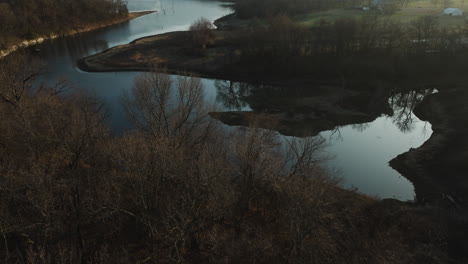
359, 46
268, 8
178, 189
27, 19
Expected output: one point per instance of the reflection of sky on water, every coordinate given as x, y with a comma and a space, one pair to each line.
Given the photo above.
362, 156
62, 54
143, 5
360, 153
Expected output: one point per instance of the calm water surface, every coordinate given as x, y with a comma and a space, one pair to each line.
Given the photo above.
62, 54
361, 152
361, 155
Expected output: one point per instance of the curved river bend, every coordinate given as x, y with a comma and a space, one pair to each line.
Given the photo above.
361, 152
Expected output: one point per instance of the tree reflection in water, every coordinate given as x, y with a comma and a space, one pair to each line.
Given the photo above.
403, 105
237, 96
361, 127
232, 95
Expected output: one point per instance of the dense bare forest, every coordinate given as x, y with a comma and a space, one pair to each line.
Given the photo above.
175, 189
370, 47
265, 8
28, 19
268, 8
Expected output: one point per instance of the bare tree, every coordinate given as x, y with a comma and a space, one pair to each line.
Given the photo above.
169, 110
424, 29
17, 75
202, 33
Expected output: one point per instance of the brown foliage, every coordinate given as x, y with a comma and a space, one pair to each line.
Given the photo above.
176, 189
24, 19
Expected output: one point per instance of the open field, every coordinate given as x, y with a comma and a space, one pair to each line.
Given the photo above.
411, 12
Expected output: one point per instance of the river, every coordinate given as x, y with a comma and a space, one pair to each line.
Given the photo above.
360, 152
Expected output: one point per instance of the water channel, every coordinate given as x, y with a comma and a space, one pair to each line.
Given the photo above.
360, 152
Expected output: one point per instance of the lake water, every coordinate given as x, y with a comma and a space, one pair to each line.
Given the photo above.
361, 153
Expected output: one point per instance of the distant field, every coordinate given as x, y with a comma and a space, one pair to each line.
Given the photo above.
414, 10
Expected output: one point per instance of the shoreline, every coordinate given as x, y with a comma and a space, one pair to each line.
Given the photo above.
171, 51
39, 40
437, 168
217, 62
